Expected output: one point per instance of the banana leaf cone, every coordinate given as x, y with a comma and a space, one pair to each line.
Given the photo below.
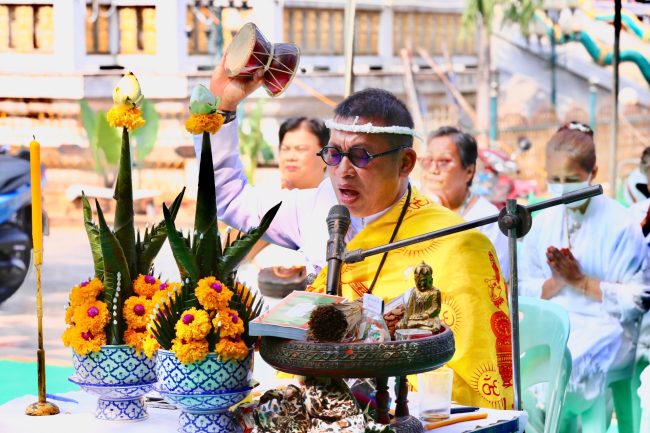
201, 255
121, 254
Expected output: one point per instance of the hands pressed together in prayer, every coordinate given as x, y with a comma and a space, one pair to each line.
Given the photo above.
565, 270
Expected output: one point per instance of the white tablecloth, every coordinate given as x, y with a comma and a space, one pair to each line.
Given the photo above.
79, 418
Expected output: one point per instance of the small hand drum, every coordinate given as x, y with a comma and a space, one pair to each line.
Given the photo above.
250, 51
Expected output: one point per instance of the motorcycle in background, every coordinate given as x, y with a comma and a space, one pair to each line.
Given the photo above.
15, 221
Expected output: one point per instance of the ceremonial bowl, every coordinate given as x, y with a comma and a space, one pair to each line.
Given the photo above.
209, 376
120, 378
118, 402
204, 390
359, 359
114, 364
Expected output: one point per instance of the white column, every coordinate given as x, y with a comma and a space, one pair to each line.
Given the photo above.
69, 34
172, 39
267, 16
386, 34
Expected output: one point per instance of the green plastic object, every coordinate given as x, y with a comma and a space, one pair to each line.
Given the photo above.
543, 335
594, 414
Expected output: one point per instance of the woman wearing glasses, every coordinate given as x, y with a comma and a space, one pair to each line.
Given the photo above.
448, 169
301, 138
588, 257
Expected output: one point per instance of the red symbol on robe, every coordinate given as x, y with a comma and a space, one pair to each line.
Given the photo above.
501, 328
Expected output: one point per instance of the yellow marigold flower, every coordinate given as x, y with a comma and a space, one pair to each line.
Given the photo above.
86, 292
200, 123
125, 116
194, 324
165, 292
136, 311
231, 349
228, 323
212, 294
191, 351
68, 315
83, 342
146, 285
91, 316
150, 345
136, 339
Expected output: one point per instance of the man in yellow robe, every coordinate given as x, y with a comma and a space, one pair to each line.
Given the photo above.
474, 300
370, 157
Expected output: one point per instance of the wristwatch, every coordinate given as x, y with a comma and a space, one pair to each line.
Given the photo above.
228, 116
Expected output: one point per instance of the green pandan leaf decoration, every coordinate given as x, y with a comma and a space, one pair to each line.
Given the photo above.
117, 279
185, 260
124, 215
93, 237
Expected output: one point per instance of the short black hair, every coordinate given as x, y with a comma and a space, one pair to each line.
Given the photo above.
381, 105
465, 143
315, 126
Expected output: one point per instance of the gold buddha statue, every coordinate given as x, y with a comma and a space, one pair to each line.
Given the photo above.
424, 302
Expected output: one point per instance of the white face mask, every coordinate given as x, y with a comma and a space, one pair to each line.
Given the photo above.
558, 189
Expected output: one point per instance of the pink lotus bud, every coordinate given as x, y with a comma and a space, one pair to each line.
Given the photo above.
149, 279
139, 309
163, 286
234, 317
217, 286
188, 318
86, 335
92, 311
84, 283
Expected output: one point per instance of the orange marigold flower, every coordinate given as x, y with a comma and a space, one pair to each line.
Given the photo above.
150, 345
91, 316
68, 315
190, 351
165, 292
212, 294
231, 349
228, 323
83, 342
136, 311
200, 123
194, 324
135, 337
125, 116
146, 285
85, 292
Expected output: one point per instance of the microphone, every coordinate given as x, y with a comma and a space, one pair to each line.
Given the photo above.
338, 221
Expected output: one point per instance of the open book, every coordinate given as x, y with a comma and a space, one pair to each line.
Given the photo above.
289, 317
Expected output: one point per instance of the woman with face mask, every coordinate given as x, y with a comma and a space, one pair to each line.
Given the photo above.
588, 257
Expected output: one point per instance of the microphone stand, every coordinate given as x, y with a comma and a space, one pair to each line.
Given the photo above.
514, 221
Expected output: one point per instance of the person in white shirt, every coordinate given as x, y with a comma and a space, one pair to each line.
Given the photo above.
448, 169
588, 257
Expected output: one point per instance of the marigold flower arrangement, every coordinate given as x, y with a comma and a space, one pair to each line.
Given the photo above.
211, 311
115, 305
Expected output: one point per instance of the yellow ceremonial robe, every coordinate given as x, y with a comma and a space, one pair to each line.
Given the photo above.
474, 297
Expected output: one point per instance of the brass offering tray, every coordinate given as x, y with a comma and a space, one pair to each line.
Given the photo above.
393, 358
378, 360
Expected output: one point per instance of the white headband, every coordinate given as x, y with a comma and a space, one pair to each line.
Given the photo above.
369, 128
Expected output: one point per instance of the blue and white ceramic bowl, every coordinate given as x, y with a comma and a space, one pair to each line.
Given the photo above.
210, 376
114, 365
205, 403
118, 402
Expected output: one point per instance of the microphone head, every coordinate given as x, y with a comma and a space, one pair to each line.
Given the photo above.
338, 219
